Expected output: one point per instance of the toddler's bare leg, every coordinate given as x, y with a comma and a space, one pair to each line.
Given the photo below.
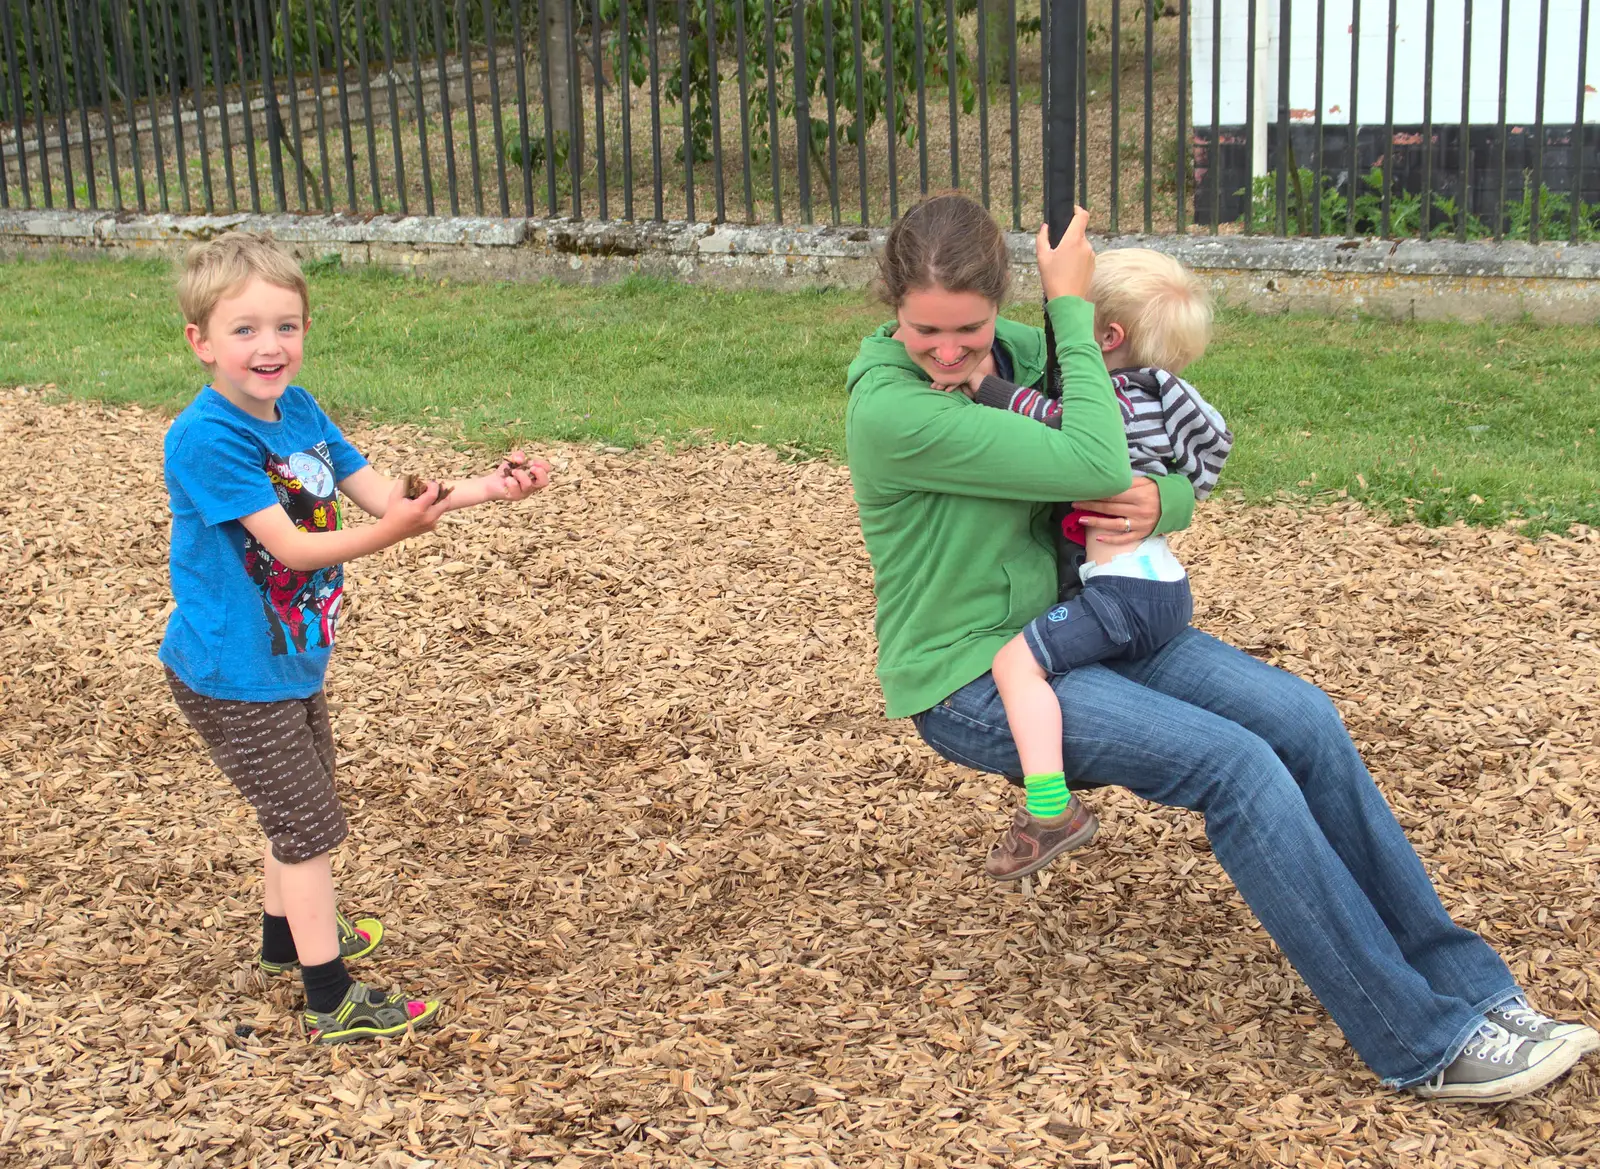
1032, 709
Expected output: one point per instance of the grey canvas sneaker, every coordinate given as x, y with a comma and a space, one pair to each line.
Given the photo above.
1496, 1065
1519, 1018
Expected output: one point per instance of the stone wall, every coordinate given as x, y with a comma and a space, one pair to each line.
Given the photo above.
1555, 283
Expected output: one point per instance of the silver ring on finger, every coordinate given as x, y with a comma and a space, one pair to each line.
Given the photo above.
1127, 525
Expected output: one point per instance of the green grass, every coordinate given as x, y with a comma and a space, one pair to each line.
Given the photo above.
1478, 422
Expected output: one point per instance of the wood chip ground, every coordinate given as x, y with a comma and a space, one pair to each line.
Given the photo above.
621, 789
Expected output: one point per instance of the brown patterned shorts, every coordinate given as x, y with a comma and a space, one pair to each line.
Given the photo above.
280, 755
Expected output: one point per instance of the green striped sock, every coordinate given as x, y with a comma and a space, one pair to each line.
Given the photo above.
1047, 794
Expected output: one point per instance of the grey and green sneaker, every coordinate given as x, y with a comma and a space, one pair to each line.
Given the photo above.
1496, 1065
1519, 1018
368, 1013
357, 939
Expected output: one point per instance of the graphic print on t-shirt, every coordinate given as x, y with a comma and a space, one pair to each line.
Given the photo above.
301, 608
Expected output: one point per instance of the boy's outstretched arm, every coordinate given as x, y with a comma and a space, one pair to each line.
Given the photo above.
308, 551
369, 489
515, 478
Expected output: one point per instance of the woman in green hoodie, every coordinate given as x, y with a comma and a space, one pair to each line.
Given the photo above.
955, 501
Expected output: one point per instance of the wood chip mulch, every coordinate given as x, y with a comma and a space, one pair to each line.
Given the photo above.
622, 791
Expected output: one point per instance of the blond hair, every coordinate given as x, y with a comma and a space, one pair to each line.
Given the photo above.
221, 266
1163, 308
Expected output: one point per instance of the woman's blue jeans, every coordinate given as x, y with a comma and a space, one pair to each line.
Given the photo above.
1292, 816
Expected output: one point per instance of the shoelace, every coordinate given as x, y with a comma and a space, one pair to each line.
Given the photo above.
1518, 1011
1494, 1043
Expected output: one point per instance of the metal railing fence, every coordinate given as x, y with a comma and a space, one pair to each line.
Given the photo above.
1190, 115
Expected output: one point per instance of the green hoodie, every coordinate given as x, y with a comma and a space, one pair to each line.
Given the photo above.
955, 499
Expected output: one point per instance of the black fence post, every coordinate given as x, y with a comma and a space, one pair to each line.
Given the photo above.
447, 127
1149, 113
386, 19
218, 80
1316, 173
194, 51
173, 83
295, 143
17, 120
470, 103
322, 116
653, 27
1538, 125
1181, 179
922, 96
1388, 120
1011, 86
242, 75
523, 141
59, 68
150, 95
625, 93
859, 125
364, 61
122, 51
1464, 145
1285, 147
1426, 226
269, 96
1116, 112
497, 118
1500, 144
101, 73
1577, 128
891, 118
1214, 161
951, 36
686, 99
1250, 115
802, 111
983, 100
1353, 140
774, 153
596, 45
545, 104
830, 90
36, 79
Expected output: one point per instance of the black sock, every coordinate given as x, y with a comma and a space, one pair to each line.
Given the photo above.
277, 943
325, 984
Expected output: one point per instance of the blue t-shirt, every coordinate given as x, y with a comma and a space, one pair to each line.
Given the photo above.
246, 627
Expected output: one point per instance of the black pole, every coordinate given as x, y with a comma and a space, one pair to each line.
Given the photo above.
1061, 131
1061, 128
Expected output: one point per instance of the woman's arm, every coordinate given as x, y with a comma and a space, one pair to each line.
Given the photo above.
1154, 505
1177, 504
908, 438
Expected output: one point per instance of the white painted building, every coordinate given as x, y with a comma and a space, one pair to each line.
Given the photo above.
1449, 41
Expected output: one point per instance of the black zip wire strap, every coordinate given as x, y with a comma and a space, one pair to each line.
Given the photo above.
1061, 88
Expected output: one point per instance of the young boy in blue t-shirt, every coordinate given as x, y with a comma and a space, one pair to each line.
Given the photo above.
254, 470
